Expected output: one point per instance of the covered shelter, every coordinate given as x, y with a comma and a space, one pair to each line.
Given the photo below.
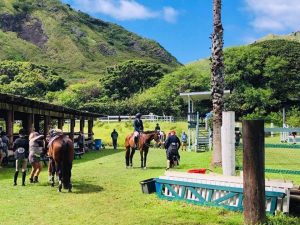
193, 118
38, 116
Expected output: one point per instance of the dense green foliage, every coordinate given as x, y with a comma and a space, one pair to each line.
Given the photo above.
124, 80
164, 97
27, 79
263, 77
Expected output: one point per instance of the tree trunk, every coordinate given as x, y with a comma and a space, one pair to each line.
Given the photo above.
217, 82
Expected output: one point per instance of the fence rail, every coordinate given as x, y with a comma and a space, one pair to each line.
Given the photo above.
150, 118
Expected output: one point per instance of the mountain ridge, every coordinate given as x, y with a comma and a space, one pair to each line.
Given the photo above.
52, 33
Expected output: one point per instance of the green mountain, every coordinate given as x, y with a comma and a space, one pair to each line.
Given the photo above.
295, 36
71, 42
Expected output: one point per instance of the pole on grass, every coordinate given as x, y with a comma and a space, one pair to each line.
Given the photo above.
253, 172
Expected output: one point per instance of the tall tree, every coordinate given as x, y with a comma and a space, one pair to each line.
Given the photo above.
217, 81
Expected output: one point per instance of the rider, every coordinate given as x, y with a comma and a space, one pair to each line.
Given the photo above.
21, 149
138, 128
172, 145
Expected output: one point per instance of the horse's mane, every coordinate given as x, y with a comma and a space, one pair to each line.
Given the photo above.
149, 132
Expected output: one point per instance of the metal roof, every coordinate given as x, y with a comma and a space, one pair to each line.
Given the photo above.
199, 96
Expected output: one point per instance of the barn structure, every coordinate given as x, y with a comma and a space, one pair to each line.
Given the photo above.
40, 116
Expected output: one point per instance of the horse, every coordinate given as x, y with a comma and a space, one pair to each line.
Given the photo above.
143, 146
61, 153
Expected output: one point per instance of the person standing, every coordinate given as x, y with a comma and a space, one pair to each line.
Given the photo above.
114, 136
157, 127
36, 145
21, 149
80, 141
184, 139
138, 128
172, 145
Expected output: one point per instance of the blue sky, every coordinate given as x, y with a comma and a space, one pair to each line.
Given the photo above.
183, 27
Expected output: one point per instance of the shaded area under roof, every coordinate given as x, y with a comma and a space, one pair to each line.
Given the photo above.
25, 104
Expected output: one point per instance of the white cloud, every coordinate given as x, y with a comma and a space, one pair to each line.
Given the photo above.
125, 9
275, 15
170, 14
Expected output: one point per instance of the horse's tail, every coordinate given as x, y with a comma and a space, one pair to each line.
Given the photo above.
66, 164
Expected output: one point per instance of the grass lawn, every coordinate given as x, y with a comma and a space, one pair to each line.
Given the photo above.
106, 193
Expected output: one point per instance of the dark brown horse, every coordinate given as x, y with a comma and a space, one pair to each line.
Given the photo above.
61, 153
143, 146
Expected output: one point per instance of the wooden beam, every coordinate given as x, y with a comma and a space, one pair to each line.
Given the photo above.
72, 126
82, 125
253, 172
46, 125
90, 128
9, 120
36, 122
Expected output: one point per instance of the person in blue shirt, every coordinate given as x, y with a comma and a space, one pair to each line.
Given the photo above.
172, 145
138, 128
184, 139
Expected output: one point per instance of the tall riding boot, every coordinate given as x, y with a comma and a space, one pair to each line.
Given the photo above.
168, 164
16, 177
136, 139
36, 179
23, 178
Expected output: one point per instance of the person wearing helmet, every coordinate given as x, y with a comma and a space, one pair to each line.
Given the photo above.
138, 128
21, 149
172, 145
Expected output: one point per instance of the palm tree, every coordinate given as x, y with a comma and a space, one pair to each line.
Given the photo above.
217, 81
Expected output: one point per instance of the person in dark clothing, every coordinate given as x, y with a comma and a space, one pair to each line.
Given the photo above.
21, 149
157, 127
80, 141
138, 128
114, 136
172, 145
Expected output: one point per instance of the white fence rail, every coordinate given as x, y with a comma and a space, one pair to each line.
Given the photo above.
150, 118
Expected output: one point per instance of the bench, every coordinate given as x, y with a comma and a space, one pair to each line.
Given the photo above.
219, 190
77, 151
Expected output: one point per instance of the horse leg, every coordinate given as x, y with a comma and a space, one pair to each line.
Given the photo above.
131, 156
127, 155
59, 177
51, 170
145, 158
142, 159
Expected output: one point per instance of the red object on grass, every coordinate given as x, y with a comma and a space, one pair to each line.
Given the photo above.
197, 171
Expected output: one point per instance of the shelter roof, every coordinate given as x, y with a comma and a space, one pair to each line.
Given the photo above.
199, 96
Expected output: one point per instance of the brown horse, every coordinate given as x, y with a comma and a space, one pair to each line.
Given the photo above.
61, 153
143, 146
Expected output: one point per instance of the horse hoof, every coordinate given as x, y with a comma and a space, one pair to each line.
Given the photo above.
145, 168
69, 190
52, 185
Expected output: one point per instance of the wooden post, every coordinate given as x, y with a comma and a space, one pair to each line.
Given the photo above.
253, 172
82, 125
228, 143
60, 123
29, 123
36, 122
72, 126
10, 126
90, 128
46, 125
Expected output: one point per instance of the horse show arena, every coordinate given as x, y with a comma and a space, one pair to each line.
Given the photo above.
104, 192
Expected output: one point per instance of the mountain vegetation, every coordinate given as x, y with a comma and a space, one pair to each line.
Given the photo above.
77, 45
